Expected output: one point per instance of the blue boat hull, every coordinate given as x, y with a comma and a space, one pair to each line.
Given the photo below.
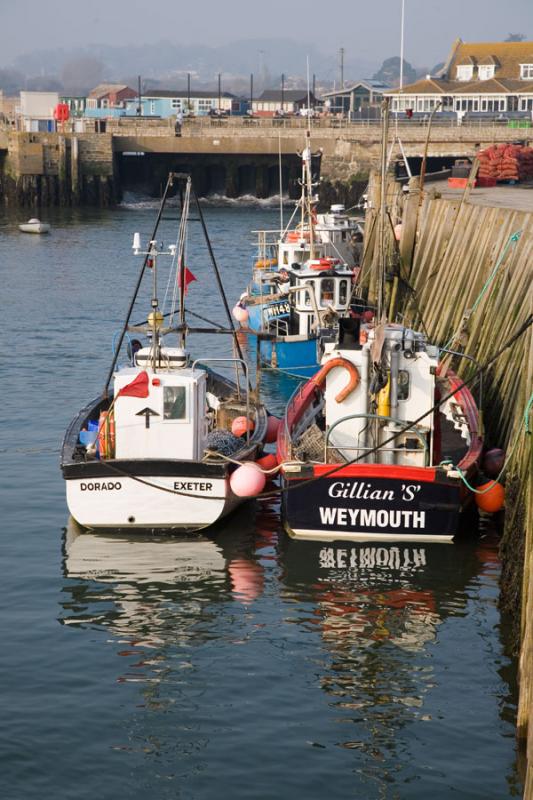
298, 358
261, 314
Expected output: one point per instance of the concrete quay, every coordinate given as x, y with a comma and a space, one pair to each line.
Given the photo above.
235, 155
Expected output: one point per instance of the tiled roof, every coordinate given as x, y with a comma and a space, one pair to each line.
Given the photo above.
507, 56
375, 86
489, 60
107, 88
289, 95
492, 86
183, 94
425, 86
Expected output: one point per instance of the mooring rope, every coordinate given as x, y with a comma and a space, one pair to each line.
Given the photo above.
280, 490
512, 240
338, 467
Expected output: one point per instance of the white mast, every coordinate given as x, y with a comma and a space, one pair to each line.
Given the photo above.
401, 44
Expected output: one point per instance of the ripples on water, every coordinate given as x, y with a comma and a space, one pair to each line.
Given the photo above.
243, 665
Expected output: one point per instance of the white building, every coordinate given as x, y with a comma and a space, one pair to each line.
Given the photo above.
478, 78
36, 110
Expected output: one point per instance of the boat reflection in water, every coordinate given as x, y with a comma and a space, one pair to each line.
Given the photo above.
227, 648
399, 593
157, 585
379, 609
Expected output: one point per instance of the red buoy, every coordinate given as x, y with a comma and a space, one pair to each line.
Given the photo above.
490, 497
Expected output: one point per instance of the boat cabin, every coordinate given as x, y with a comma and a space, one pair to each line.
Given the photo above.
315, 296
171, 421
398, 392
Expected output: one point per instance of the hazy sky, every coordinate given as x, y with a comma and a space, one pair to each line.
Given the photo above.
368, 29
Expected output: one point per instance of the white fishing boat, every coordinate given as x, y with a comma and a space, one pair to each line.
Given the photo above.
384, 440
34, 226
161, 446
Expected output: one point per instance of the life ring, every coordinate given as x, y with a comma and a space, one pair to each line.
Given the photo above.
324, 263
320, 378
296, 236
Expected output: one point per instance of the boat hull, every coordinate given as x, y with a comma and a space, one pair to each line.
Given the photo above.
260, 315
371, 502
30, 227
298, 357
163, 495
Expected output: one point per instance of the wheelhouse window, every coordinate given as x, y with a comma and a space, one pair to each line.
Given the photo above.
304, 298
327, 289
174, 402
343, 292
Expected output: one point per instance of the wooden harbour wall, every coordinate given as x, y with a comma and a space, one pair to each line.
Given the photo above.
457, 247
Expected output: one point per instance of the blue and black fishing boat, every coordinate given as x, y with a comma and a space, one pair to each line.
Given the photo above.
304, 280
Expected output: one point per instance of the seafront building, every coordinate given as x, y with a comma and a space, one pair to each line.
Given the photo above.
479, 78
487, 80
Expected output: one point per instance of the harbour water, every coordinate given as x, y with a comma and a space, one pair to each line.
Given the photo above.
240, 665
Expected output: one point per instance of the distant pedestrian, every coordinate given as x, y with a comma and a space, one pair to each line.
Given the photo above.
179, 123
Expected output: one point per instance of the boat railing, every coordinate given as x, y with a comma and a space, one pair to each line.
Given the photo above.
295, 396
238, 362
360, 449
476, 364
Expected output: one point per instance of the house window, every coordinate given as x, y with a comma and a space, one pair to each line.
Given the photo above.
104, 103
465, 72
526, 72
176, 103
152, 106
485, 72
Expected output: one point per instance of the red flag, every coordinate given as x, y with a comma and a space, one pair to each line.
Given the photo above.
137, 388
189, 278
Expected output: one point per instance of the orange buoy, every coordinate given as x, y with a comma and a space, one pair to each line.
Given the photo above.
490, 497
240, 425
267, 462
